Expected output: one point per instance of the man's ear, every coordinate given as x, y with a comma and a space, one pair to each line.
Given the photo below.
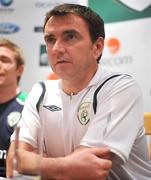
19, 70
98, 47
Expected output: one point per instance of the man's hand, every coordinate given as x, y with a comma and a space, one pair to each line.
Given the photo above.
9, 160
89, 164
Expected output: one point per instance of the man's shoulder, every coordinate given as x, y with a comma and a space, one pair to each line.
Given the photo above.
51, 85
21, 97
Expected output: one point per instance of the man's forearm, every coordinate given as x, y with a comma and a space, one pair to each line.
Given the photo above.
30, 163
54, 168
85, 164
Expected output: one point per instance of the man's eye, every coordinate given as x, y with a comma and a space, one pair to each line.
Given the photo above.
5, 60
70, 37
50, 40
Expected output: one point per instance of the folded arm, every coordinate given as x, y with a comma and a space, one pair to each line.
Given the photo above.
83, 163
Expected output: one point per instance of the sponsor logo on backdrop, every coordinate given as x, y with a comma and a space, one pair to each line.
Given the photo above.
122, 10
9, 28
6, 2
139, 5
113, 47
6, 6
51, 4
117, 61
43, 59
52, 76
38, 29
42, 4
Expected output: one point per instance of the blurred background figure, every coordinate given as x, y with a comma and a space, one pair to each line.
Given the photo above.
11, 98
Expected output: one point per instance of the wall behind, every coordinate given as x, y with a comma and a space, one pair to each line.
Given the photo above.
127, 44
128, 40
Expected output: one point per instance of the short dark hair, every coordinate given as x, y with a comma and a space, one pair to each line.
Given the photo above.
93, 20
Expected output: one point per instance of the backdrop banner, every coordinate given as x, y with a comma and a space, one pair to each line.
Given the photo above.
128, 40
127, 43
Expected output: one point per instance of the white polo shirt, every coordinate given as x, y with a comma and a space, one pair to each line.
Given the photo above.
65, 122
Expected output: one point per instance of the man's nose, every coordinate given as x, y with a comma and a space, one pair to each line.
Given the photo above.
58, 46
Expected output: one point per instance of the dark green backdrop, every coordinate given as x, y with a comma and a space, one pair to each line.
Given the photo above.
113, 10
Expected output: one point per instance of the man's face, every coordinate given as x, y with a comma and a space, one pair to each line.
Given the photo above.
8, 69
71, 53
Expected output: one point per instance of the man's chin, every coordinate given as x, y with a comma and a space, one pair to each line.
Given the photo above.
2, 81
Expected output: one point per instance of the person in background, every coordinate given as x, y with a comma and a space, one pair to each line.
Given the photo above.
11, 98
91, 119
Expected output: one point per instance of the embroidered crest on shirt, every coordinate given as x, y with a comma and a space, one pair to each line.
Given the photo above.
13, 118
52, 108
83, 113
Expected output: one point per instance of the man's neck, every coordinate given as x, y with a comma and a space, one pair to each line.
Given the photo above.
74, 86
7, 94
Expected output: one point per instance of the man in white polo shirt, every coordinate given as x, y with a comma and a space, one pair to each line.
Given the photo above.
90, 120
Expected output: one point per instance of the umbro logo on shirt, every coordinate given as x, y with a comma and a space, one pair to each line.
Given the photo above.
52, 108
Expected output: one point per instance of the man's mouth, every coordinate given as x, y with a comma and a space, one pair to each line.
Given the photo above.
62, 62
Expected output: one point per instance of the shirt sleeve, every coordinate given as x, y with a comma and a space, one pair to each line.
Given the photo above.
118, 121
30, 122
